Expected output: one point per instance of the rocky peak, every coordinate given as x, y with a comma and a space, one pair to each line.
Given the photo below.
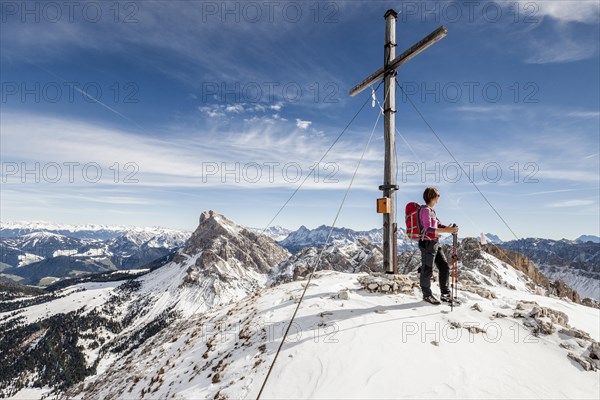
219, 243
525, 265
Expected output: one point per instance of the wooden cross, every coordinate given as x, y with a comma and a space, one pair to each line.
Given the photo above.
388, 73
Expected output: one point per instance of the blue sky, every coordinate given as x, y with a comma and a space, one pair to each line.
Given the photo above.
148, 113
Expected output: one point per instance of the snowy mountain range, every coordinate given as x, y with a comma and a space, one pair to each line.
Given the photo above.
42, 253
206, 322
277, 233
588, 238
576, 263
304, 237
86, 231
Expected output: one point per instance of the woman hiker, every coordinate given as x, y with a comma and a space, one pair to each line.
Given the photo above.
431, 250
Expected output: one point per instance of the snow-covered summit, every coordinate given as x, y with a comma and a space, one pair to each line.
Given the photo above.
588, 238
361, 345
205, 323
82, 231
220, 246
304, 237
277, 233
221, 262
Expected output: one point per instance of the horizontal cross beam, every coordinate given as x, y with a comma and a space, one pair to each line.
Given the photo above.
417, 48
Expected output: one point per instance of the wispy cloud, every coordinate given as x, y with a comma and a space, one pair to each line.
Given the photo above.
584, 114
560, 50
302, 124
165, 31
544, 192
583, 11
572, 175
183, 159
221, 110
495, 111
571, 203
557, 31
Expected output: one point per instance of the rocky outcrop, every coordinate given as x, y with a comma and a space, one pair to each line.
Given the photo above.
541, 320
590, 303
361, 256
388, 283
576, 263
218, 243
525, 265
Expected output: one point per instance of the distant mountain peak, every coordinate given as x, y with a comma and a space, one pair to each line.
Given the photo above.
42, 234
214, 222
219, 241
493, 238
588, 238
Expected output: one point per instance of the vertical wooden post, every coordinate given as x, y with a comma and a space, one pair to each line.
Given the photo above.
388, 73
389, 127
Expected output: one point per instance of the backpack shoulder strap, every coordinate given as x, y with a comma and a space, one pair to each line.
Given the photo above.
420, 224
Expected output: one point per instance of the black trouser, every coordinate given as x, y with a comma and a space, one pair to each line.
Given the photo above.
431, 252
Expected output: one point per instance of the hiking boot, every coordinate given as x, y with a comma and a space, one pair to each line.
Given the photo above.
431, 299
447, 298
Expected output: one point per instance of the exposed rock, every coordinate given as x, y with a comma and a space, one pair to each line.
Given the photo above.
566, 345
577, 263
525, 265
474, 329
590, 303
526, 305
477, 268
483, 292
476, 307
586, 364
455, 324
220, 245
545, 327
557, 317
594, 351
387, 283
409, 261
361, 256
562, 290
536, 311
342, 295
576, 333
540, 319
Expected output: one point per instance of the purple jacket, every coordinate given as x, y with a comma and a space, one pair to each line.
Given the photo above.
429, 223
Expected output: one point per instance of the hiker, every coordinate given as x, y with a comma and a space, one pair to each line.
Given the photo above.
431, 250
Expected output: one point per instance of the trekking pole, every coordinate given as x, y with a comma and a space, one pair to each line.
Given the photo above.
454, 286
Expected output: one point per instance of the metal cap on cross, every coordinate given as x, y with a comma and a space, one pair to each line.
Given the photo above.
388, 73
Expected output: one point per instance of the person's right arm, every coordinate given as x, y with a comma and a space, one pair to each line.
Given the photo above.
448, 229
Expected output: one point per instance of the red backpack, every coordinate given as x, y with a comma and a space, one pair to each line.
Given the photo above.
413, 223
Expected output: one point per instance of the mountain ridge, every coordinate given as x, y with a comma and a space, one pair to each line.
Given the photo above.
210, 302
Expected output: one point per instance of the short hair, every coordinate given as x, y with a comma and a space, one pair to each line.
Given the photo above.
429, 194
